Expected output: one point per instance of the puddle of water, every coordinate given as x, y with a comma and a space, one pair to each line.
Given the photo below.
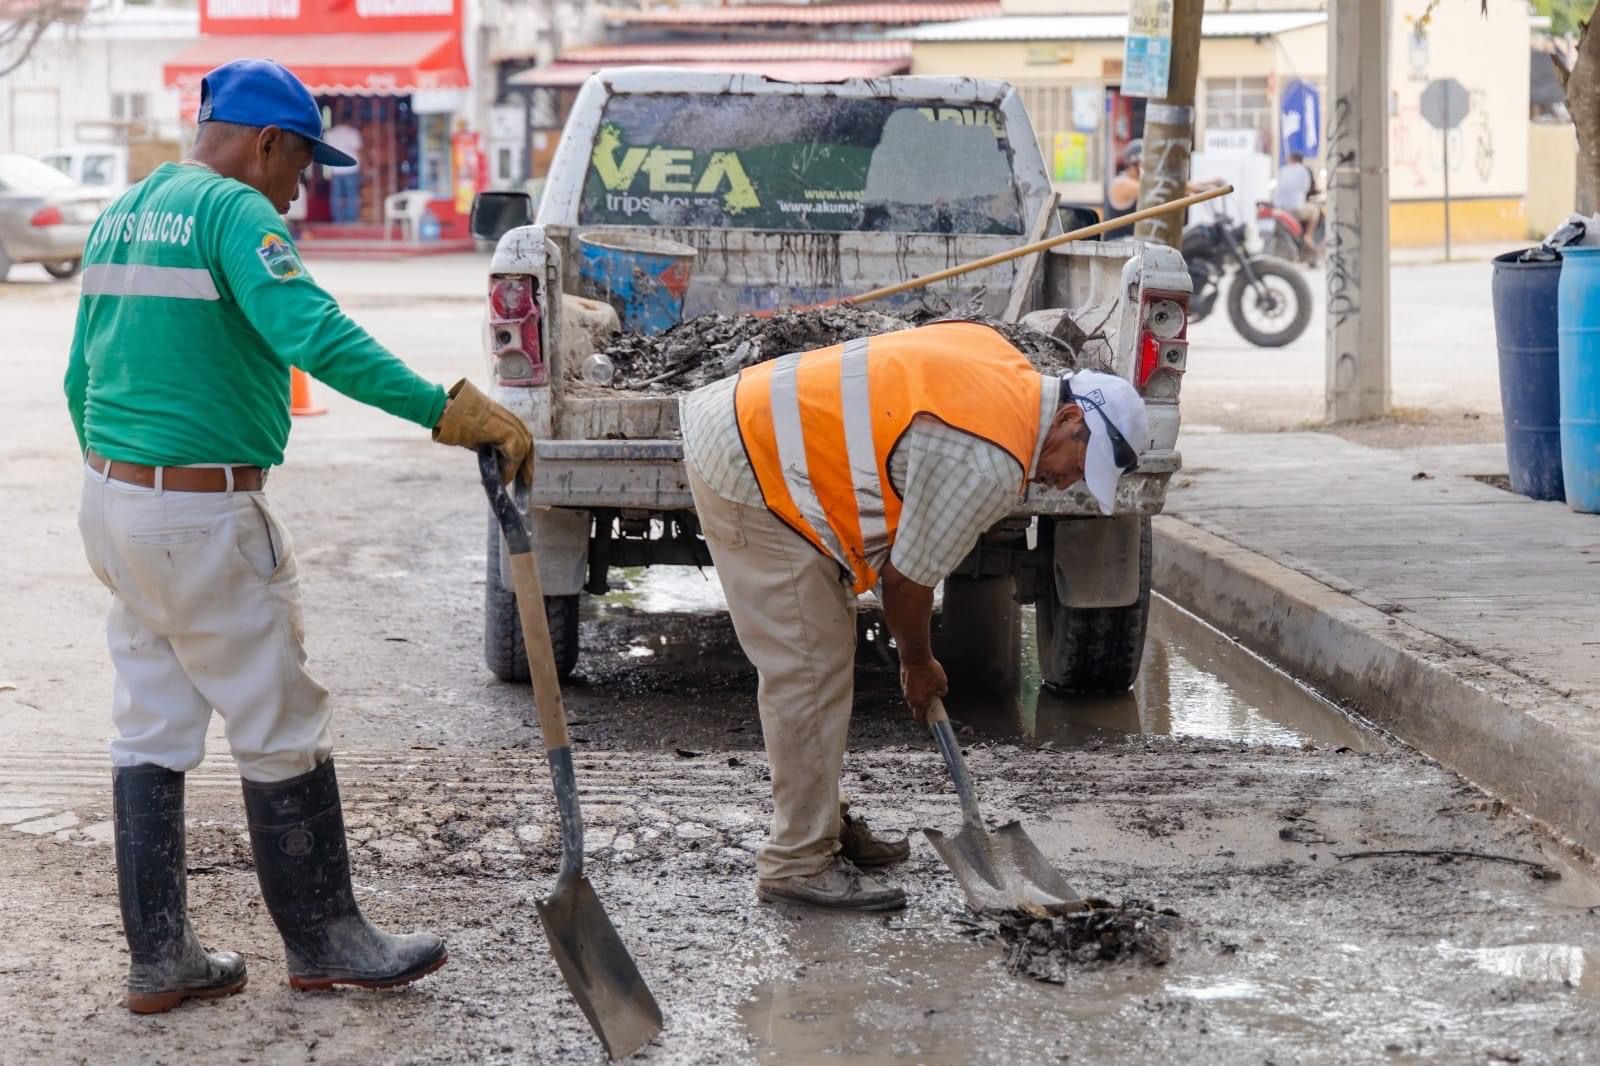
1194, 681
1564, 964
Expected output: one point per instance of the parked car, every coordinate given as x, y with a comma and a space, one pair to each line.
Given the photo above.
45, 216
99, 166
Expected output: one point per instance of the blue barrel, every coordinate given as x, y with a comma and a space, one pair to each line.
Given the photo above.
645, 278
1530, 396
1580, 378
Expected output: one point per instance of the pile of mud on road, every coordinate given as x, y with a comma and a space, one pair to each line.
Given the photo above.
704, 349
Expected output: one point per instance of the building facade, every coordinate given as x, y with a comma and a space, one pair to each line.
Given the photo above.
98, 81
1263, 71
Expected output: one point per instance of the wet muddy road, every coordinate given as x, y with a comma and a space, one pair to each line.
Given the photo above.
1218, 788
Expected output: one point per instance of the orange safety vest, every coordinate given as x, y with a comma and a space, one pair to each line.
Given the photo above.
819, 427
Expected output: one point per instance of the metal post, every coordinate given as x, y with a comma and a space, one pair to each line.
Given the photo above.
1446, 134
1358, 211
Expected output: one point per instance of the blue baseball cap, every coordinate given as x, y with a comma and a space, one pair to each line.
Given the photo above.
259, 93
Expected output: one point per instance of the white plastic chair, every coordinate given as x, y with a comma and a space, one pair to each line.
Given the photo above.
405, 209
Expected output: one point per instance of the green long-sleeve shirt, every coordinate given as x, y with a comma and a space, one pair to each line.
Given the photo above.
195, 304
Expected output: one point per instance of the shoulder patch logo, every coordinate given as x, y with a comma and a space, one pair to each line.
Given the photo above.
280, 258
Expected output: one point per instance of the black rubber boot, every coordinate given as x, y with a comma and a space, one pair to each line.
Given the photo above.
167, 964
297, 833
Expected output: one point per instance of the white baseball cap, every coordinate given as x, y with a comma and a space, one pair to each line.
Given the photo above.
1119, 430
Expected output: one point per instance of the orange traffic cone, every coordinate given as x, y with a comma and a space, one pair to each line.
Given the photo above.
300, 401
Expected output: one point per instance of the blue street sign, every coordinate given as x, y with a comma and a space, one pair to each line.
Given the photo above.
1299, 121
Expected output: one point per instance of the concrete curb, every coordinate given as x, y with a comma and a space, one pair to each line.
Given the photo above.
1515, 737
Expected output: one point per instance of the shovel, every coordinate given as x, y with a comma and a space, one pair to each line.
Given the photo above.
597, 967
999, 871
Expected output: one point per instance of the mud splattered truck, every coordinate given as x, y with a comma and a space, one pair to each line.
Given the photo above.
791, 194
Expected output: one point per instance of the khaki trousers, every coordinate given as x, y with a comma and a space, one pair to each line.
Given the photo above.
205, 615
796, 620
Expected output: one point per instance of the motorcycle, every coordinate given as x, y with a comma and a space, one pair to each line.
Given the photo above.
1284, 236
1269, 301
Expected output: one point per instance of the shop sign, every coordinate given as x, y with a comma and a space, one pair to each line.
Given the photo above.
1147, 56
328, 16
466, 159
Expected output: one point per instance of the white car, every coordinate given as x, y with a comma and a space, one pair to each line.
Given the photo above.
45, 216
99, 166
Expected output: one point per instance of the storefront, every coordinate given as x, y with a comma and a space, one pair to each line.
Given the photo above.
392, 85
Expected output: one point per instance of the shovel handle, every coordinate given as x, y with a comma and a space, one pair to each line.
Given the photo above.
945, 737
541, 659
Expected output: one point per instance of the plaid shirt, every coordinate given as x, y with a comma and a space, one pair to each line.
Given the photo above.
954, 485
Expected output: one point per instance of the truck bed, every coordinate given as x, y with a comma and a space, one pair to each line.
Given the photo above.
746, 271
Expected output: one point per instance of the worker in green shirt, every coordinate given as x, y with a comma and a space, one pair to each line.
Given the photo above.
195, 305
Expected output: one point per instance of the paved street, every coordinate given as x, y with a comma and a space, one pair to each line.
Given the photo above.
1284, 950
1444, 366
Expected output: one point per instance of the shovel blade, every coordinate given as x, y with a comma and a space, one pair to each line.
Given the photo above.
1004, 870
599, 971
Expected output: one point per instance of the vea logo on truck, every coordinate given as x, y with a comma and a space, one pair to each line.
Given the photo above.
668, 171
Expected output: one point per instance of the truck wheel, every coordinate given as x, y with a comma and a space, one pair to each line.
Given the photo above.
503, 649
1093, 650
979, 641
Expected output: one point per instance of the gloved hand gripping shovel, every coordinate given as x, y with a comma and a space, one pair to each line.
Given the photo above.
597, 967
1004, 870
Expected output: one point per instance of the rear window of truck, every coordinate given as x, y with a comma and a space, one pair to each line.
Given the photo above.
801, 163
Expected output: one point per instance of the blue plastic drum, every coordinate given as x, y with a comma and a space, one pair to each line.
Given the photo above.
644, 277
1580, 378
1530, 393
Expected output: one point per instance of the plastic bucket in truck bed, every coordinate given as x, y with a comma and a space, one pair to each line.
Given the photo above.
1580, 378
1525, 326
644, 277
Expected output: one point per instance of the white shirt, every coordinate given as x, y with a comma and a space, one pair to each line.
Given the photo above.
348, 140
954, 486
1294, 185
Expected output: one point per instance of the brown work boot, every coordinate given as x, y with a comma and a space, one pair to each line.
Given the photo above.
838, 886
860, 845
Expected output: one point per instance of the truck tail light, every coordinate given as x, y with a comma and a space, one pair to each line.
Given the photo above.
49, 215
1163, 342
516, 330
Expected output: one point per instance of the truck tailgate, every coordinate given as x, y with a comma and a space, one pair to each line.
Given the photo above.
650, 475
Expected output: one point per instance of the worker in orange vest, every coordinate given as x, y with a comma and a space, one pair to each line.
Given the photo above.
873, 464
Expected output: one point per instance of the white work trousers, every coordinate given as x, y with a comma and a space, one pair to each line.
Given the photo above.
796, 620
205, 614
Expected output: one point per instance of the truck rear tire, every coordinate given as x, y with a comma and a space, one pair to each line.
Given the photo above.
979, 640
1092, 650
503, 649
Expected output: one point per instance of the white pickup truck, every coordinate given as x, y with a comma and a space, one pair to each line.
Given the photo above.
791, 194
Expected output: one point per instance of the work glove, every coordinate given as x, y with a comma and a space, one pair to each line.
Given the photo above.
472, 420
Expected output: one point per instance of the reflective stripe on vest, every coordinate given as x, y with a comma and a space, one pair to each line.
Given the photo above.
819, 428
140, 279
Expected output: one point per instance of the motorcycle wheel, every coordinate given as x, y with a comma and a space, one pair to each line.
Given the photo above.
1282, 304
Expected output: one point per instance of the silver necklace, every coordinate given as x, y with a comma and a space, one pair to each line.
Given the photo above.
202, 166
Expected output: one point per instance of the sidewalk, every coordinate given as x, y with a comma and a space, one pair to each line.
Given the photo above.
1461, 617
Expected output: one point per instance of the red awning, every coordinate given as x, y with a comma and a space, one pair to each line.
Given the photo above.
571, 75
340, 64
901, 13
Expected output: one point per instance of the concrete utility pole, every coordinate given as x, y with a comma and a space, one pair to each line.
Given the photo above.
1169, 129
1358, 210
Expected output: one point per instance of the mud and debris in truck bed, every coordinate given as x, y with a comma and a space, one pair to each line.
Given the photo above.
702, 350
